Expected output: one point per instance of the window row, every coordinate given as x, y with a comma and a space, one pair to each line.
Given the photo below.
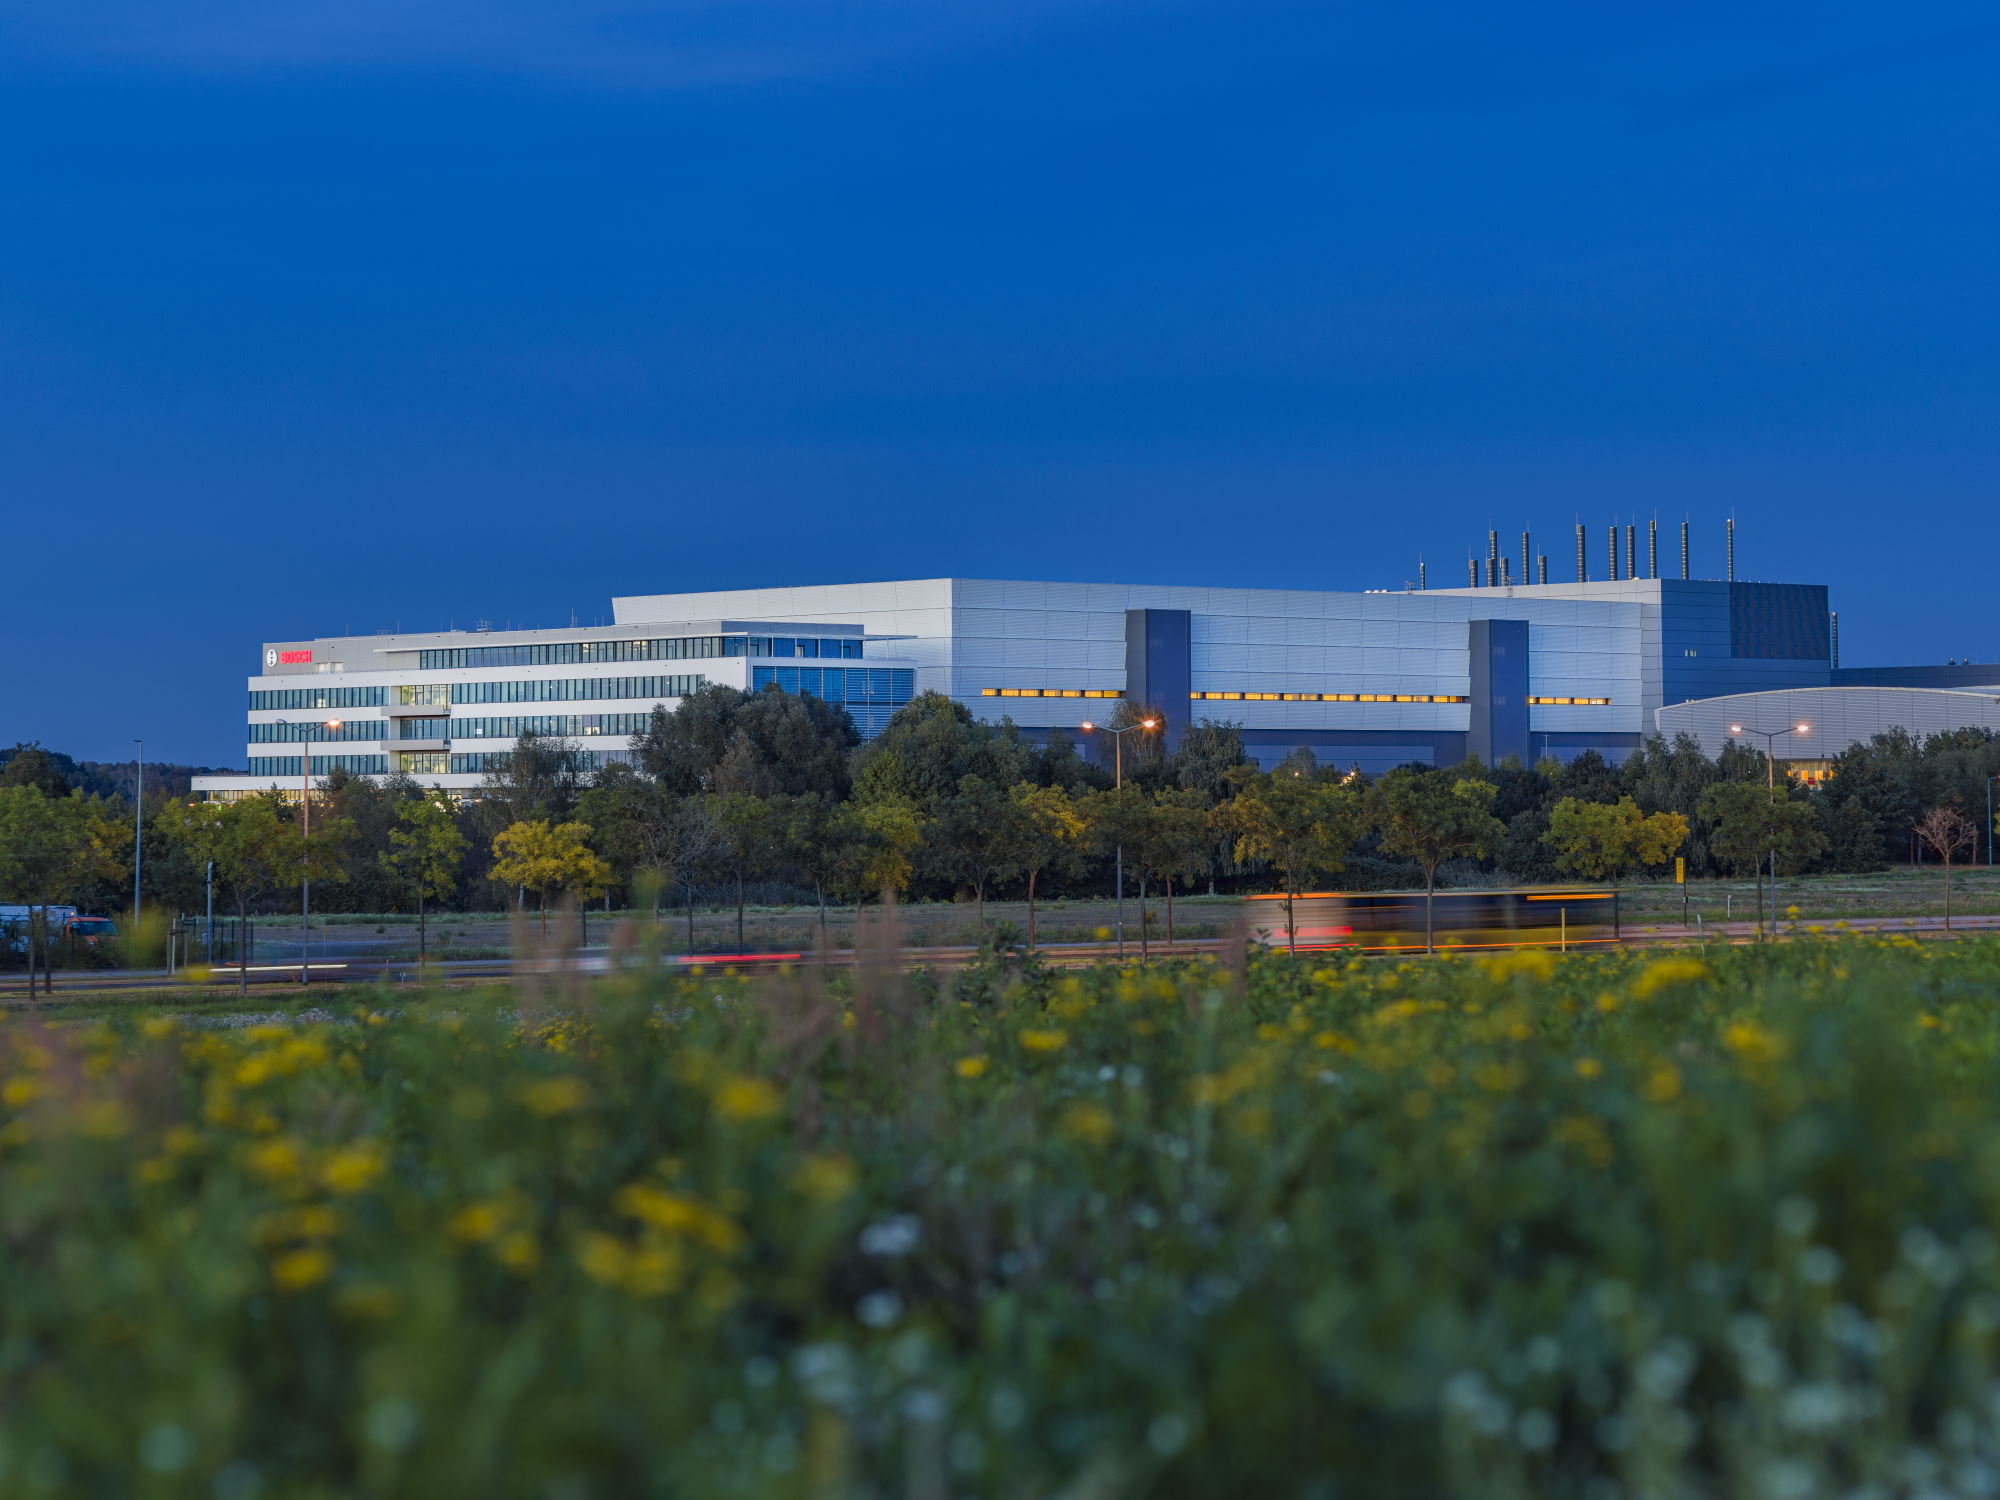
1051, 692
548, 690
513, 727
294, 765
678, 648
1331, 697
356, 697
845, 685
480, 762
317, 730
1580, 702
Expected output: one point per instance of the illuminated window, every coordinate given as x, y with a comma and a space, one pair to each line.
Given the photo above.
1056, 693
1567, 702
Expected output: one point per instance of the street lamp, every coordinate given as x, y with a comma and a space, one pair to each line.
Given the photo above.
305, 847
1118, 783
1989, 820
139, 831
1770, 737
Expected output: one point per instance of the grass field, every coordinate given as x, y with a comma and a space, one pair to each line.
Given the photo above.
1602, 1225
1821, 898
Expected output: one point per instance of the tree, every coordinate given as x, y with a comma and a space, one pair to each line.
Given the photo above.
1209, 751
542, 779
881, 838
1604, 840
425, 848
1184, 841
768, 743
1431, 816
1752, 821
1044, 830
929, 745
48, 847
969, 838
1301, 826
812, 839
254, 847
746, 840
31, 765
544, 857
1946, 831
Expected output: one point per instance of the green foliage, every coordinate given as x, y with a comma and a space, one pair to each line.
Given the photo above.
1300, 826
424, 853
1526, 1229
547, 859
1606, 840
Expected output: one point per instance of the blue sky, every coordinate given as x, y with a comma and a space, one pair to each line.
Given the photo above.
323, 316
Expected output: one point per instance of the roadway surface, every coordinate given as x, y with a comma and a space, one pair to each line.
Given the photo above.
369, 968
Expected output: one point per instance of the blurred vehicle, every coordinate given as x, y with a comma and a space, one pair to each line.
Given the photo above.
65, 925
1461, 921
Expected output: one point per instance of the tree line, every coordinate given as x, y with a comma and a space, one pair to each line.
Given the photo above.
732, 792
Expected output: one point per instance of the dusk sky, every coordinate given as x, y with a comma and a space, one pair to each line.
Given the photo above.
335, 315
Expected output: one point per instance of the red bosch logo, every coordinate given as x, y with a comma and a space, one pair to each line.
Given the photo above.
293, 658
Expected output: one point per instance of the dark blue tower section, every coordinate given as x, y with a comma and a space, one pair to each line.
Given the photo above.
1499, 725
1159, 669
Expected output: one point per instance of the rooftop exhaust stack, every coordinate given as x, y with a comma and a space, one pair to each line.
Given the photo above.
1492, 559
1542, 568
1506, 578
1684, 550
1631, 550
1420, 574
1613, 538
1833, 628
1653, 548
1472, 572
1527, 558
1732, 549
1582, 572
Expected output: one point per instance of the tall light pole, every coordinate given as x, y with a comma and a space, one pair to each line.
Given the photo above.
305, 847
1989, 820
1118, 783
139, 831
1770, 737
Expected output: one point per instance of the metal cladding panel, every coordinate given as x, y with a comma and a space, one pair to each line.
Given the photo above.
1499, 723
1371, 752
1158, 666
1838, 717
1970, 675
1779, 622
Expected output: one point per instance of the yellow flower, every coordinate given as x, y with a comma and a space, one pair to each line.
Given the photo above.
519, 1252
550, 1097
1587, 1134
477, 1222
1662, 1085
1500, 1078
1755, 1044
1589, 1067
104, 1120
181, 1140
970, 1067
353, 1169
1090, 1123
1608, 1002
1052, 1040
20, 1091
1530, 963
647, 1270
1662, 973
154, 1170
296, 1270
745, 1099
826, 1179
277, 1161
158, 1028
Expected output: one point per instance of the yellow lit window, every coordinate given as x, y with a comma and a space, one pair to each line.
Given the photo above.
989, 692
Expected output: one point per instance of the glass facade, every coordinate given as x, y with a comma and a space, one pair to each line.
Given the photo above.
1331, 697
292, 765
480, 762
869, 694
561, 689
357, 697
566, 725
423, 763
347, 729
424, 695
678, 648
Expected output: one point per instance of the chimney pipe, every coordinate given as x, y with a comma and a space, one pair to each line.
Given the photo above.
1613, 539
1420, 574
1653, 548
1492, 559
1505, 580
1542, 568
1472, 572
1631, 550
1732, 549
1833, 623
1582, 572
1684, 551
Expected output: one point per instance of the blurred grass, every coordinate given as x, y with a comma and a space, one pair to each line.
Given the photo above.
1621, 1224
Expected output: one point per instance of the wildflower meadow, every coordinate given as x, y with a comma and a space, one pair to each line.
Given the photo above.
1648, 1224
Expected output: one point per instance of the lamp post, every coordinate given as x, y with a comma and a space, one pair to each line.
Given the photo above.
139, 831
1989, 820
305, 845
1770, 737
1118, 783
